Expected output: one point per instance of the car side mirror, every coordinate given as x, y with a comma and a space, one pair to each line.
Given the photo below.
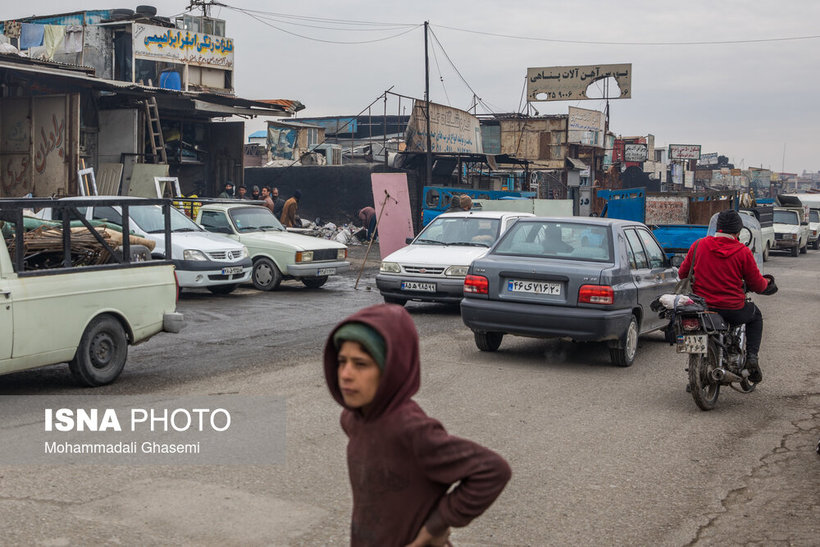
804, 223
408, 240
677, 260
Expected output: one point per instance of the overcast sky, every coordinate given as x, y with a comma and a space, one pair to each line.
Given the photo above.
755, 102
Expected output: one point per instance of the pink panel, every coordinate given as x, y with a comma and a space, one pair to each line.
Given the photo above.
395, 221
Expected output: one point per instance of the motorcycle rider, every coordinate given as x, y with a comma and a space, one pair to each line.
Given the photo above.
723, 265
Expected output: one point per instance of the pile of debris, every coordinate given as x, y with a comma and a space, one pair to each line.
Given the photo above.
346, 234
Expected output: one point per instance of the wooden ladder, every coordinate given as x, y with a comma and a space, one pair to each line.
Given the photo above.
155, 130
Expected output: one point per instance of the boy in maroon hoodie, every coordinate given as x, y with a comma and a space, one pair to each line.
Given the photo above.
400, 461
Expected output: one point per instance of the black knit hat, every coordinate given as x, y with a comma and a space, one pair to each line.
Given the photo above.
729, 222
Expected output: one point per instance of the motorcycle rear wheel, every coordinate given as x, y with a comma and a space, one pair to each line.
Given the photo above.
704, 389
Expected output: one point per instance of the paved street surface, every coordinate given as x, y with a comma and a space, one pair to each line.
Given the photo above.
600, 455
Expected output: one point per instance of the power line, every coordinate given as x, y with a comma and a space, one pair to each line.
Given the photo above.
440, 77
452, 64
261, 20
325, 19
598, 43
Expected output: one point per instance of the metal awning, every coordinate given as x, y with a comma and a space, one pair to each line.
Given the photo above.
576, 164
195, 102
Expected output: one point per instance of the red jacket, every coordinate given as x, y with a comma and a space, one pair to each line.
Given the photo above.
722, 265
401, 462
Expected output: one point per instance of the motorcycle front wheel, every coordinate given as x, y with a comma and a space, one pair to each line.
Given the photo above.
704, 389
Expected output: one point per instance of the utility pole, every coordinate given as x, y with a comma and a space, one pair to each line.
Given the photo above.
429, 181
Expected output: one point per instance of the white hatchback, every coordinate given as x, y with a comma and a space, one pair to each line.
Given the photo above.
433, 266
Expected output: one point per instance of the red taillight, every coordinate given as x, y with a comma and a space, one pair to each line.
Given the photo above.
476, 284
690, 323
596, 294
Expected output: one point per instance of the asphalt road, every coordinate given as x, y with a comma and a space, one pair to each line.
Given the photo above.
600, 455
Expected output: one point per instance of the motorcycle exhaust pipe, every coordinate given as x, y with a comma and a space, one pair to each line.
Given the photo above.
724, 376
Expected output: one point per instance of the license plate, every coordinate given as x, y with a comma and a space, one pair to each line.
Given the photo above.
231, 270
416, 286
692, 343
533, 287
326, 271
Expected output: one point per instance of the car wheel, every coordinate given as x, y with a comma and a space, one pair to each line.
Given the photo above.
816, 245
314, 282
265, 276
488, 341
622, 353
222, 289
766, 253
795, 251
395, 300
101, 353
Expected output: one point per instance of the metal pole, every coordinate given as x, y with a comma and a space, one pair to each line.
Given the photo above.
384, 131
373, 236
427, 106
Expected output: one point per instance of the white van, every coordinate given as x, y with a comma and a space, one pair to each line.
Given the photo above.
202, 259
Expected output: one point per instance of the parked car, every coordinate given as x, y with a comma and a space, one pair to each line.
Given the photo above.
814, 228
77, 309
539, 280
202, 260
276, 253
432, 267
791, 232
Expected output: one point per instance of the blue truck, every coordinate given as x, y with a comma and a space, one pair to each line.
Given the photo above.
677, 219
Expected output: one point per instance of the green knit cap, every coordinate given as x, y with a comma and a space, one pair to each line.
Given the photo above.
372, 341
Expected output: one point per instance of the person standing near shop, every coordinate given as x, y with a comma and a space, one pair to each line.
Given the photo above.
227, 193
289, 216
278, 203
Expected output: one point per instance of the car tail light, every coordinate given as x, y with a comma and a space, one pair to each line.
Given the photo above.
690, 323
476, 284
596, 294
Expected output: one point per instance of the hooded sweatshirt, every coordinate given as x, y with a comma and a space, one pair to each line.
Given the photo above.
400, 461
722, 266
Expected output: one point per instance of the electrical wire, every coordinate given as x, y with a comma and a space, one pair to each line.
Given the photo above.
261, 20
326, 19
601, 43
440, 77
478, 98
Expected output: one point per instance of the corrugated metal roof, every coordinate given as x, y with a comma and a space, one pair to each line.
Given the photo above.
288, 104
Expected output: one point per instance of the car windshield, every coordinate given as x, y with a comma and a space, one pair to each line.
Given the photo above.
814, 215
551, 239
151, 219
786, 217
253, 219
467, 231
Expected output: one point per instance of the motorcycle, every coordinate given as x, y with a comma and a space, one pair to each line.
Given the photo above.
716, 350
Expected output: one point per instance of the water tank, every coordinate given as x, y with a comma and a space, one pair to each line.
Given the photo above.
170, 79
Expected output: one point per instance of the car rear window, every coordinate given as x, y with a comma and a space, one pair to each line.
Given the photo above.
563, 240
814, 215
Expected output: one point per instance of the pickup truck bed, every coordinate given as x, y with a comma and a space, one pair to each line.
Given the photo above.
67, 307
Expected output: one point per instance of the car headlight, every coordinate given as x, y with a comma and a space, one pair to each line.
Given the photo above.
390, 267
245, 252
304, 256
341, 254
193, 254
456, 271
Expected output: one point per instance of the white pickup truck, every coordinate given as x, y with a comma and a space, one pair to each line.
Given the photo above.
77, 295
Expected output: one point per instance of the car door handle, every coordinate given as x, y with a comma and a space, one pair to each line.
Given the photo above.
5, 293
